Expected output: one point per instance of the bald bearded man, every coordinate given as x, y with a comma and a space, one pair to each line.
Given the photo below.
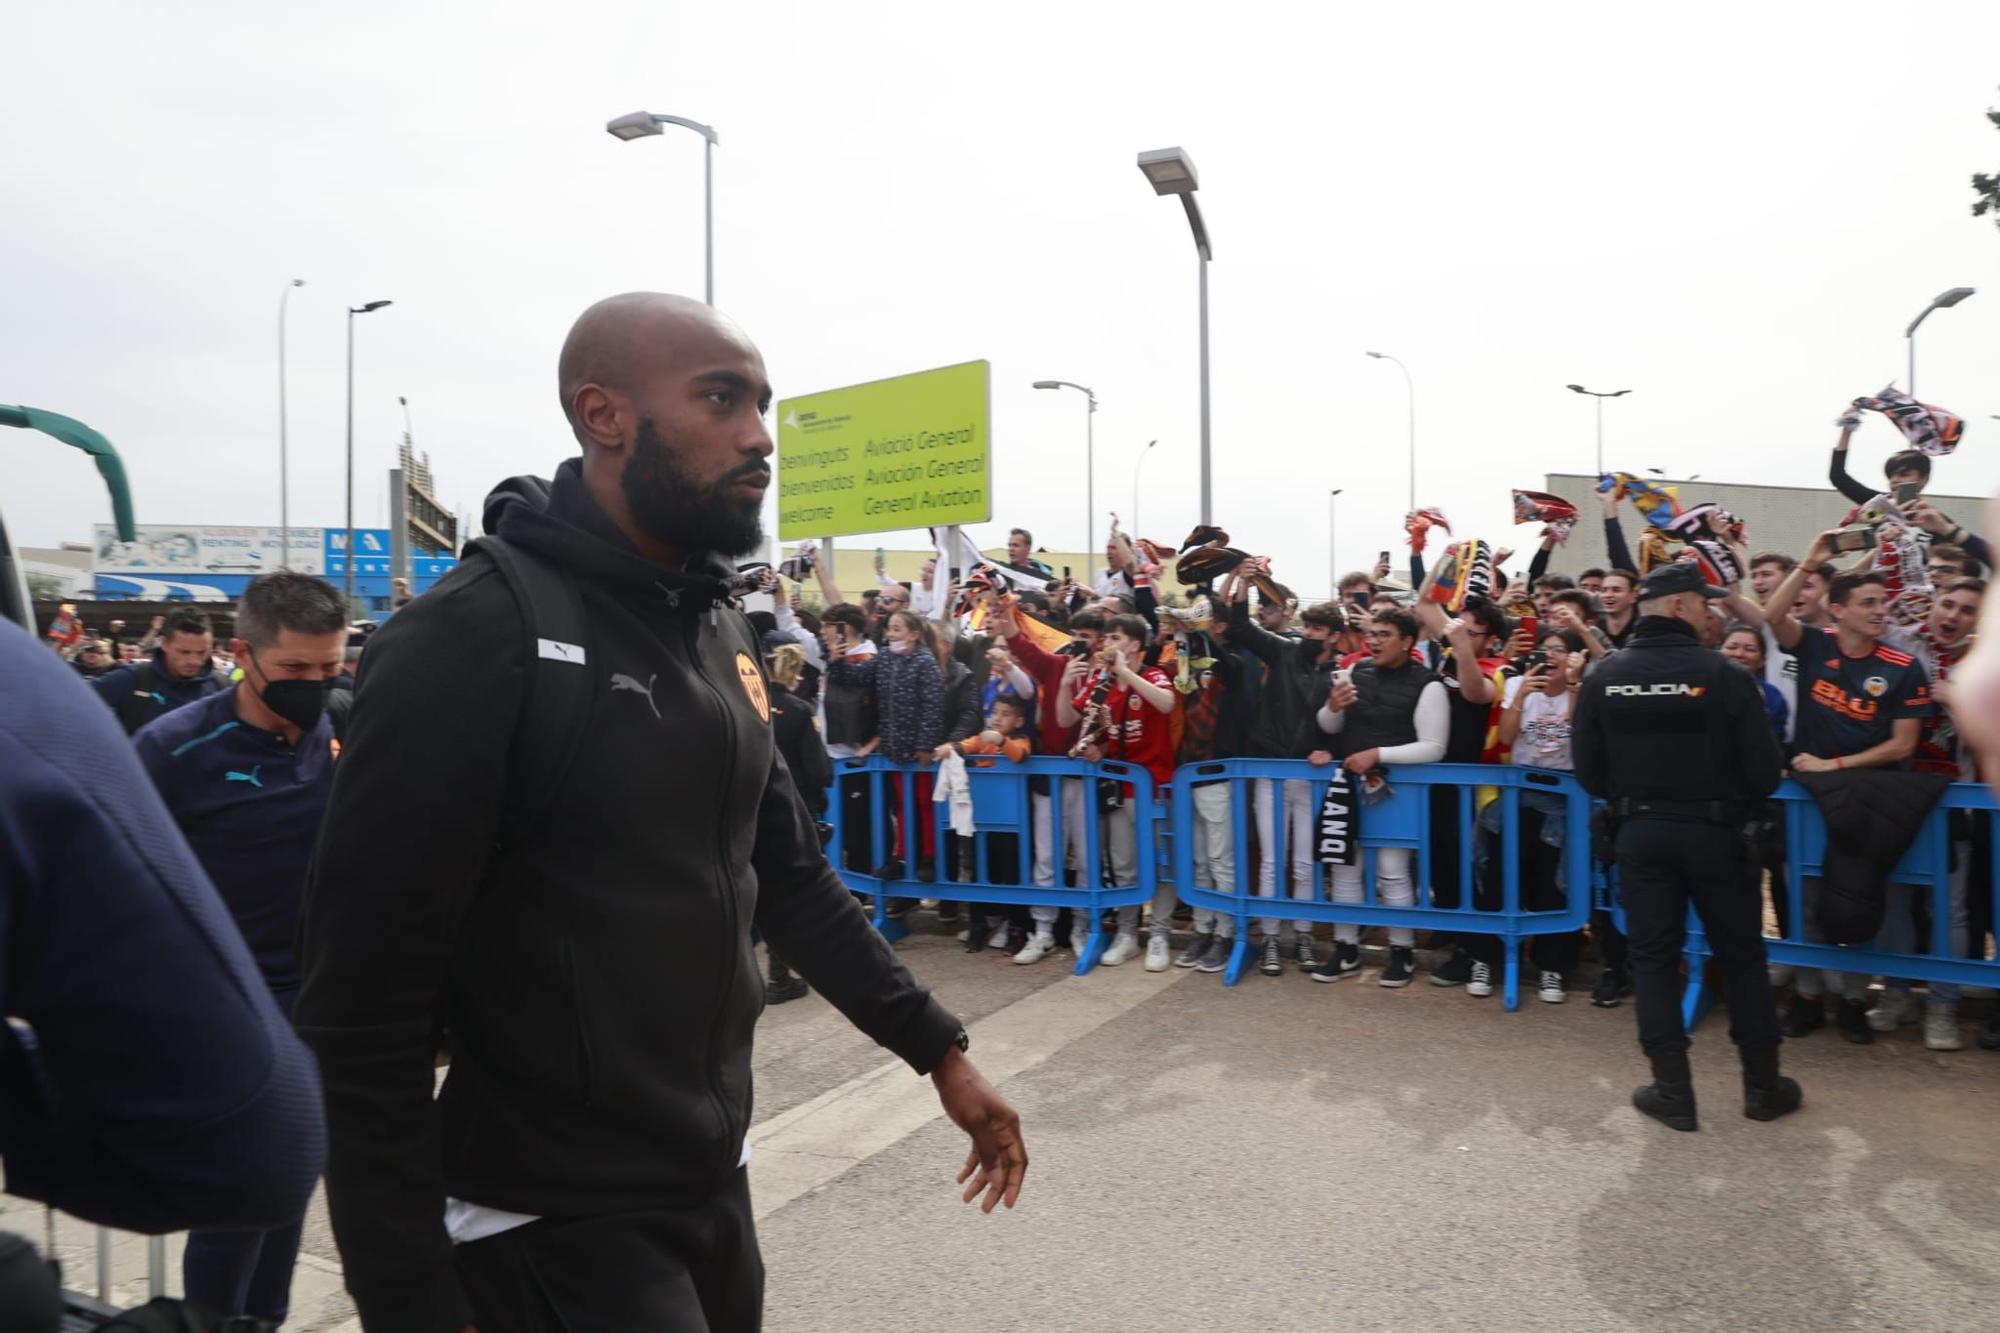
584, 952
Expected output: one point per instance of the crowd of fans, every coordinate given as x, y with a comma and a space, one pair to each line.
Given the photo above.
1855, 661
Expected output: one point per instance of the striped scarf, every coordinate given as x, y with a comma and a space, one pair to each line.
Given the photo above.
1465, 572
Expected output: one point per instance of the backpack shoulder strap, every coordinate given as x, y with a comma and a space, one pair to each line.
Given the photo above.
561, 681
131, 711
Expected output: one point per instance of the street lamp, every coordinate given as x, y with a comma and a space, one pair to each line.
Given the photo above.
1942, 301
352, 311
1332, 547
1600, 397
1137, 468
640, 125
1089, 477
1410, 386
1172, 171
284, 455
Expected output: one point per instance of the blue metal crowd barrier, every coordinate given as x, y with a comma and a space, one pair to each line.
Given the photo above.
1003, 805
1926, 866
1400, 819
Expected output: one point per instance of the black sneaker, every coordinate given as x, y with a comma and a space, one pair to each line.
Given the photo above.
1216, 957
890, 869
1344, 961
902, 907
1672, 1104
1191, 956
1402, 969
1274, 961
1989, 1036
947, 913
791, 988
1454, 971
1853, 1022
1612, 987
1804, 1015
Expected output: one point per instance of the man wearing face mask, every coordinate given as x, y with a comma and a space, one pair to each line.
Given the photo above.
246, 774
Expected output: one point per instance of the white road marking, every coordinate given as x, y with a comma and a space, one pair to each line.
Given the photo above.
805, 1147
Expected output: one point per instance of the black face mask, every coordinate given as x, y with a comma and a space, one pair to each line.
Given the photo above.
299, 702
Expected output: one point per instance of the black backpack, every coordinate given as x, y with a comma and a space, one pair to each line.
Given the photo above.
133, 708
562, 688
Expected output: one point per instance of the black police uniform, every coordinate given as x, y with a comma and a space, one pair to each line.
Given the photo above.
1676, 738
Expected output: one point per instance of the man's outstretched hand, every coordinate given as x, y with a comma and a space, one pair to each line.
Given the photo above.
998, 1162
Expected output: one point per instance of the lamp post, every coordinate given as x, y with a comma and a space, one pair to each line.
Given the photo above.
1137, 468
284, 454
1332, 546
643, 124
1600, 397
352, 311
1410, 387
1089, 476
1172, 171
1942, 301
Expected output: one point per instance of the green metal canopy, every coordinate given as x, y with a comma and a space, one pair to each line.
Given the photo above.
74, 433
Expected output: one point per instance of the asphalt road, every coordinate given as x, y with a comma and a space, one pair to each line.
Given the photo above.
1284, 1153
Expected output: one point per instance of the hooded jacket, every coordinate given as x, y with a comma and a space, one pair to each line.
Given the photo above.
1293, 690
593, 971
147, 690
1872, 816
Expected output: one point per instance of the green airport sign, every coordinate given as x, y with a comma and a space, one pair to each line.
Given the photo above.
908, 452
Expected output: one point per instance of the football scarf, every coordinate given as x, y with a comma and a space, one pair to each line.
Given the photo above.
1541, 507
1465, 572
1419, 522
1339, 822
1718, 561
1655, 503
1931, 429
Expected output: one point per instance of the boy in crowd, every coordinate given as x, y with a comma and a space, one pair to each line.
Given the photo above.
1006, 734
1049, 671
1389, 710
1216, 725
1121, 708
1861, 704
1298, 674
1940, 644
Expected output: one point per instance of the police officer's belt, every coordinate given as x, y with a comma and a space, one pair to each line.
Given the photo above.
1731, 813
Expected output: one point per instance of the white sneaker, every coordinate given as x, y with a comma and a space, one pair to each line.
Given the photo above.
1552, 990
1941, 1027
1481, 982
1123, 949
1036, 949
1781, 975
1158, 957
965, 936
998, 939
1893, 1010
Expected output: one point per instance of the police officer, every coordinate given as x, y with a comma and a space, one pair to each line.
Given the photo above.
1677, 740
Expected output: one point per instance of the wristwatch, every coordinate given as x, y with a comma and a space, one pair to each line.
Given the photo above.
963, 1041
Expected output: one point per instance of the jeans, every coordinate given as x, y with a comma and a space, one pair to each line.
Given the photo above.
1074, 842
1214, 855
244, 1272
1299, 839
1899, 923
1393, 888
1663, 865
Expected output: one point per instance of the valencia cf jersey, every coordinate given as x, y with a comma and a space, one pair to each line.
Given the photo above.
1850, 704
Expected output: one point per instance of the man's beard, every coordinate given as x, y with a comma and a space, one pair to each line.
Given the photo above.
669, 507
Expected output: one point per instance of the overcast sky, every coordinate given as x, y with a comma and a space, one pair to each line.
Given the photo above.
1732, 210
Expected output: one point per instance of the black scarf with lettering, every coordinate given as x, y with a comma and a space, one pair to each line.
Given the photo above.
1339, 821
